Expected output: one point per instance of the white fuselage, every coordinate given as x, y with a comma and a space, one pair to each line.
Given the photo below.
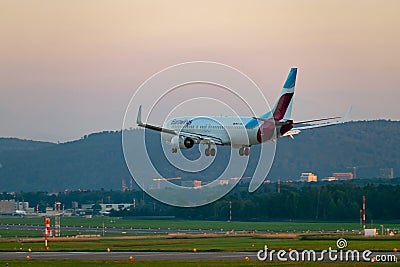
230, 130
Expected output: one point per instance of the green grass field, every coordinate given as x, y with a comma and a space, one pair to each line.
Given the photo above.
110, 222
201, 244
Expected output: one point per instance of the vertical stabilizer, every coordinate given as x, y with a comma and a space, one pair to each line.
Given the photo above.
283, 106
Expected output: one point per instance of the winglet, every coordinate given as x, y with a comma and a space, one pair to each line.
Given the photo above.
346, 116
139, 116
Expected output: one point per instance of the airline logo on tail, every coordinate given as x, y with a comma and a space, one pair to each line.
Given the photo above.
283, 105
286, 96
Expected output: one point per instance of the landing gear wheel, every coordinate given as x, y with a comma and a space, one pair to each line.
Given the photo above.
207, 152
241, 152
213, 152
247, 151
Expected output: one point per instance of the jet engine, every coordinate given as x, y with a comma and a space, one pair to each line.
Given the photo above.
182, 142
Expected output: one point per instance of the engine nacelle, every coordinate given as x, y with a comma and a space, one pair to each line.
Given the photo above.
182, 142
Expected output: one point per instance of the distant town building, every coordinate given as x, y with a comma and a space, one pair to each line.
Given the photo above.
196, 183
308, 177
386, 173
192, 183
242, 180
329, 179
343, 175
223, 182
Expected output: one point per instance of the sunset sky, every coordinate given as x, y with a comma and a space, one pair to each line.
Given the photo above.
69, 68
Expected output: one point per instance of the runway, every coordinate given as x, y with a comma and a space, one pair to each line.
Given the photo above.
153, 256
178, 256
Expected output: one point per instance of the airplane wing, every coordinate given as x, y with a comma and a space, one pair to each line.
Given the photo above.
297, 130
198, 138
279, 123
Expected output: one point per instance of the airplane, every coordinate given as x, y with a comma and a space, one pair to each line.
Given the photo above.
238, 132
20, 212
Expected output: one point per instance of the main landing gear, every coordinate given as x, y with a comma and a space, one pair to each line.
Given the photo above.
210, 151
244, 151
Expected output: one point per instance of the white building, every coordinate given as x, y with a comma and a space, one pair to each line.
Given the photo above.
370, 232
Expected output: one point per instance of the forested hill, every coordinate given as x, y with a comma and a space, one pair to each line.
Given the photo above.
96, 161
12, 144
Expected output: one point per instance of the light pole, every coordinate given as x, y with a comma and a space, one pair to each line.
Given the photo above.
230, 211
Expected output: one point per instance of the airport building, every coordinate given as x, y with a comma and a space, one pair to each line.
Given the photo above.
11, 207
22, 205
7, 206
105, 208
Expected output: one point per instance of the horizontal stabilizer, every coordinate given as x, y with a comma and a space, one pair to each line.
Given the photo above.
325, 119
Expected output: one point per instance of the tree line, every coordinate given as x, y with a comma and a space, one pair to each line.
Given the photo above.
296, 201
